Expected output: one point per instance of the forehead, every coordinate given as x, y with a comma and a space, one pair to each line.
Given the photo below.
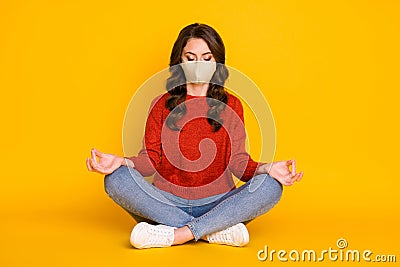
196, 45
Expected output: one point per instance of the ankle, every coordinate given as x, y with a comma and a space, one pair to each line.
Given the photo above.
182, 235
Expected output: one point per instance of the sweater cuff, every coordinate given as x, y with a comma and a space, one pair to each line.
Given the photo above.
250, 170
143, 165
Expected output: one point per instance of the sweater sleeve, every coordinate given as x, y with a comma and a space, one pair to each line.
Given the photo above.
149, 157
241, 164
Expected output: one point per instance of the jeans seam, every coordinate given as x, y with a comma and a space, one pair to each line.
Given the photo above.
125, 205
194, 232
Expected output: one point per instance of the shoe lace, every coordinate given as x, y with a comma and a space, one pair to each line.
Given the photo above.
158, 234
224, 236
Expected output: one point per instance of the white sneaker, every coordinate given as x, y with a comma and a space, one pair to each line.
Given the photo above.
145, 235
236, 235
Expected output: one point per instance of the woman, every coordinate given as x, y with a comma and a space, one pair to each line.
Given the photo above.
194, 141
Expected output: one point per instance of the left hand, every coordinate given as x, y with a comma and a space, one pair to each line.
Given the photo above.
280, 171
107, 163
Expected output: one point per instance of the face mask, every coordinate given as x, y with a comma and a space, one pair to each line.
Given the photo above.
199, 71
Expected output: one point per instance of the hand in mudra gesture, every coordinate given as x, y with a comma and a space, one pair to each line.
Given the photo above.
281, 172
107, 163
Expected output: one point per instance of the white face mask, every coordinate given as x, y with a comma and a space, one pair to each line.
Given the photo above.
199, 71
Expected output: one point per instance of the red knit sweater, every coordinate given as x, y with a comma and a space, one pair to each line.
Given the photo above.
195, 162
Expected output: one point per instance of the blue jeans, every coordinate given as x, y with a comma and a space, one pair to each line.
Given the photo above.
144, 202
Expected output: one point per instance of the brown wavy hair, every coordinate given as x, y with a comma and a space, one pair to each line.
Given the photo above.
176, 83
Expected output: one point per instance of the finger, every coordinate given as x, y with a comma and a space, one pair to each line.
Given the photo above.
289, 162
294, 179
297, 177
94, 158
301, 176
293, 167
95, 165
97, 152
287, 183
100, 168
89, 167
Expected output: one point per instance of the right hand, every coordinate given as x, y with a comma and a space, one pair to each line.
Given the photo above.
107, 162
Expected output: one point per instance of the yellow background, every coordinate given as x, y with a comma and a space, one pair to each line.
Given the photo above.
329, 70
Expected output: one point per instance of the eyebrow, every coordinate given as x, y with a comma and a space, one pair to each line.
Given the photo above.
206, 53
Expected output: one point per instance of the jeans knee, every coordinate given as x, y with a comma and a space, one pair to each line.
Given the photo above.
277, 189
113, 181
269, 186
